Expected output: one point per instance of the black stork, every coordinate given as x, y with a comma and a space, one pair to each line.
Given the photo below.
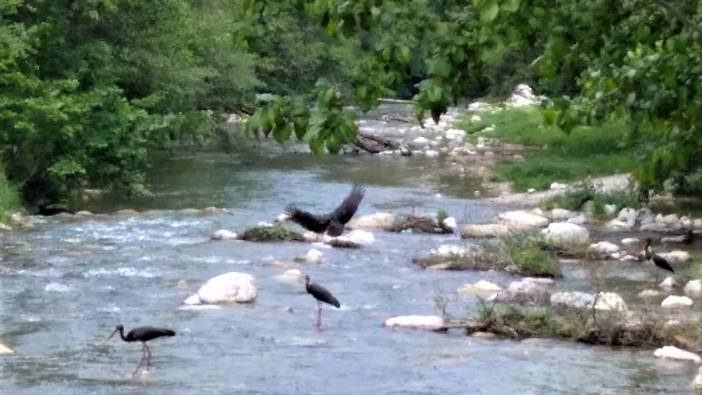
322, 295
142, 334
331, 223
659, 261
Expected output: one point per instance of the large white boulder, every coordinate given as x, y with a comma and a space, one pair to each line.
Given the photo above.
677, 354
231, 287
380, 220
450, 223
674, 301
520, 219
429, 322
566, 234
693, 288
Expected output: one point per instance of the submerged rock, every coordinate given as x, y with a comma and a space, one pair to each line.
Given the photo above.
673, 301
224, 234
429, 322
231, 287
693, 288
566, 234
677, 354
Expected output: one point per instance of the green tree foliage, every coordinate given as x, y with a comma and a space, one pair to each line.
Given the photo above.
632, 59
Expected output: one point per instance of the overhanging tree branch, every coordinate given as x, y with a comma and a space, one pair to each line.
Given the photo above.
682, 18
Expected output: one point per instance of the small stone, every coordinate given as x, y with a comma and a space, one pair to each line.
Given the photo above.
475, 118
677, 354
314, 256
673, 301
223, 234
483, 335
480, 286
5, 350
693, 288
429, 322
421, 140
668, 283
610, 209
559, 214
5, 227
604, 248
697, 382
558, 186
431, 153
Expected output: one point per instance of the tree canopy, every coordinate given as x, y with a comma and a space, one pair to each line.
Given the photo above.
89, 88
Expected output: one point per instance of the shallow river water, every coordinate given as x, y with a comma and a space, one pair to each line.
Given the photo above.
65, 284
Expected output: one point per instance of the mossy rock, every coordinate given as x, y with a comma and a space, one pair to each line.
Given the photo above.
271, 233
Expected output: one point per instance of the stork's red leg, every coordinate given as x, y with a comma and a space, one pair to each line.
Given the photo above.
148, 356
319, 314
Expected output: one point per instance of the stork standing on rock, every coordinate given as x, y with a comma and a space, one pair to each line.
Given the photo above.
142, 334
331, 223
659, 261
322, 295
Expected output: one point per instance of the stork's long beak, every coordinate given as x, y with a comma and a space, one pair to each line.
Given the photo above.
111, 334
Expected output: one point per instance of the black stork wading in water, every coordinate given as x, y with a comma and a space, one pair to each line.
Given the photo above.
331, 223
142, 334
659, 261
322, 295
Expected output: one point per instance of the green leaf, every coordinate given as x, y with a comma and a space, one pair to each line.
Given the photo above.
282, 132
510, 6
490, 11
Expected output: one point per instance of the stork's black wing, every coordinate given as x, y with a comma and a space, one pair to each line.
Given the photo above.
146, 333
348, 207
662, 263
309, 221
323, 295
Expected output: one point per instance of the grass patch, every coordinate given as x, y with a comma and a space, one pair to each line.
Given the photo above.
523, 253
271, 233
609, 328
584, 152
575, 198
9, 197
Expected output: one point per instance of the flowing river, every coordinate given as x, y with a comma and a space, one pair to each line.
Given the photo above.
65, 284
